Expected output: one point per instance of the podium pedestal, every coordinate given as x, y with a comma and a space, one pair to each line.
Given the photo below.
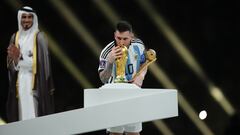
109, 106
129, 103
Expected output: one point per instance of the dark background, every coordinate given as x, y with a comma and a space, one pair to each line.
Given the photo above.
209, 29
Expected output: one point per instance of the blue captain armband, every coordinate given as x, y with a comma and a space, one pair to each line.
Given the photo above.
142, 59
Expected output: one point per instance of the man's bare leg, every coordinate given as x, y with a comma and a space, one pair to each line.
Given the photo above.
128, 133
116, 134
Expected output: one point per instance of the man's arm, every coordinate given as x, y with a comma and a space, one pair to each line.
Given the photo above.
139, 79
115, 53
106, 73
45, 67
43, 43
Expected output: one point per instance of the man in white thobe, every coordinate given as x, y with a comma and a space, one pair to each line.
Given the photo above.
30, 81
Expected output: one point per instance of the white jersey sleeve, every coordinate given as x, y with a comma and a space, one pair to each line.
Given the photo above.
103, 56
139, 45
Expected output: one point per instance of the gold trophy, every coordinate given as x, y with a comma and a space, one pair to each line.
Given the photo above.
121, 65
150, 56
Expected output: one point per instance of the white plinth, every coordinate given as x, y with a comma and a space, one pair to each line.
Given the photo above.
108, 106
142, 104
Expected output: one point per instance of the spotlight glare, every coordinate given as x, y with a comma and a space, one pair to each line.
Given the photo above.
203, 115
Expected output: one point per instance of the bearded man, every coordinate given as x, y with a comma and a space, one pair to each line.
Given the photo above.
30, 81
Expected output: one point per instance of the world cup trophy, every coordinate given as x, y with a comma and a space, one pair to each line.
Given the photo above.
120, 66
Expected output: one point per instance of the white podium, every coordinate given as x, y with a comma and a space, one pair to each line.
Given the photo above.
109, 106
129, 103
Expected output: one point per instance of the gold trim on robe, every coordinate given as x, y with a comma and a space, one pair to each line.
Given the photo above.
34, 66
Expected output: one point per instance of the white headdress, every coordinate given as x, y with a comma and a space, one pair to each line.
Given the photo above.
27, 10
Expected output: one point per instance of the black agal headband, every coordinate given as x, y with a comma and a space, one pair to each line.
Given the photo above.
27, 10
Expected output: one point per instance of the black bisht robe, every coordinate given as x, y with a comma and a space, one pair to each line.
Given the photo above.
43, 82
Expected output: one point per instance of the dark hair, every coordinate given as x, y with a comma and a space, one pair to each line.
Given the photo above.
123, 26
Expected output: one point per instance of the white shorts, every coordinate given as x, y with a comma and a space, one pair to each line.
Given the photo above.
132, 128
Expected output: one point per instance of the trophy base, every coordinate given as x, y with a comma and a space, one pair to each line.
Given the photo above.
120, 79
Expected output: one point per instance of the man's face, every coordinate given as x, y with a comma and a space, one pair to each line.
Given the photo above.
26, 21
123, 38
